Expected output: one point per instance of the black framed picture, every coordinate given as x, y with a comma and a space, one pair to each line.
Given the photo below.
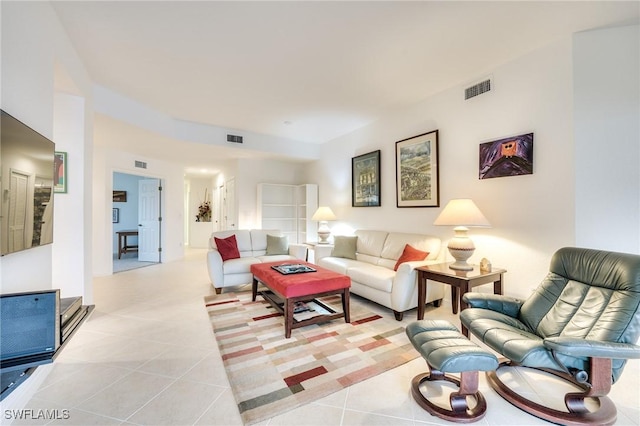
511, 156
417, 181
365, 180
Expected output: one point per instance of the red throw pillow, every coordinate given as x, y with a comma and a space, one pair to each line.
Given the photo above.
410, 254
228, 247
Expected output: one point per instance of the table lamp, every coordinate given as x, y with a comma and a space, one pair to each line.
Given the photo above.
323, 215
461, 213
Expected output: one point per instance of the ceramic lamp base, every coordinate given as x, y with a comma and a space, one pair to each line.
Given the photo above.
461, 248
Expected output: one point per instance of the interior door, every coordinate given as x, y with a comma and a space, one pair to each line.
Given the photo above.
149, 220
18, 196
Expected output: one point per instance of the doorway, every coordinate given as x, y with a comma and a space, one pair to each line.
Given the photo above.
136, 222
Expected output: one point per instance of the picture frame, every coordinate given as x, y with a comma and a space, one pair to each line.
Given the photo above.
512, 156
365, 180
115, 215
60, 172
119, 196
417, 171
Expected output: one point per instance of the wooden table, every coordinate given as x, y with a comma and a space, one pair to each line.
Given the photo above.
123, 246
461, 282
284, 291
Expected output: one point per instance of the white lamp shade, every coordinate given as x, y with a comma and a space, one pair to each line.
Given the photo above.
462, 212
323, 214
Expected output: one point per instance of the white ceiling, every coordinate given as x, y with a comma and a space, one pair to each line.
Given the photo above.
309, 71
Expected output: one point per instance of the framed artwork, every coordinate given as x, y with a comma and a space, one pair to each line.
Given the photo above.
506, 157
115, 215
119, 196
417, 181
365, 180
60, 172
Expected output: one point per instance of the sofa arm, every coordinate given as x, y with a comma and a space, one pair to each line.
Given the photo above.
214, 266
592, 348
299, 251
322, 250
493, 302
405, 285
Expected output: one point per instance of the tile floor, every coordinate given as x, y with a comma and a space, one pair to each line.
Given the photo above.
147, 356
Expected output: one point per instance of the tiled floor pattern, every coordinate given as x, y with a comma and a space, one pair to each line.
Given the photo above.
147, 356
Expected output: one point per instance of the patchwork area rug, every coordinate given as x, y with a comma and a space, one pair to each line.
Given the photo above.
270, 375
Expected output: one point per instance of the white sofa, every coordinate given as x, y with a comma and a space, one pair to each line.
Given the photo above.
372, 275
252, 245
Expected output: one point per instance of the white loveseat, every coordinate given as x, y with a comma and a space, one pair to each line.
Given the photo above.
372, 272
252, 246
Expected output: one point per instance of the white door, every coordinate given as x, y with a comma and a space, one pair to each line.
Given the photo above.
18, 196
149, 220
229, 205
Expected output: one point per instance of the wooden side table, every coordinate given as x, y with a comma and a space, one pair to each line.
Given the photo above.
461, 282
123, 246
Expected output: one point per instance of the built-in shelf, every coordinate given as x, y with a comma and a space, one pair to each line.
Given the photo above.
288, 208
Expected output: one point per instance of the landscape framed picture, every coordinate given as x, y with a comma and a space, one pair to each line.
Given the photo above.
417, 181
365, 177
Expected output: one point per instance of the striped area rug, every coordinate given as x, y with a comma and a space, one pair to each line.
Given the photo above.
270, 375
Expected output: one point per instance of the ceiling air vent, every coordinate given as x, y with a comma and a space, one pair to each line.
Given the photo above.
141, 164
234, 138
477, 89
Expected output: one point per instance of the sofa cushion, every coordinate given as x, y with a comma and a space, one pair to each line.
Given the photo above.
410, 254
228, 247
243, 239
344, 246
259, 240
338, 264
373, 276
276, 258
370, 243
277, 245
240, 265
396, 241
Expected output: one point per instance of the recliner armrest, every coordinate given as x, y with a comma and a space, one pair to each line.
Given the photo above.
578, 347
494, 302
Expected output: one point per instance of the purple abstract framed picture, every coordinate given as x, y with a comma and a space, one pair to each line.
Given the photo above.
507, 157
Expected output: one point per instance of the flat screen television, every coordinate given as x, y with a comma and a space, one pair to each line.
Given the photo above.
26, 200
29, 328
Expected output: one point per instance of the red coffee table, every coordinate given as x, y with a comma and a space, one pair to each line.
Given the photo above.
285, 290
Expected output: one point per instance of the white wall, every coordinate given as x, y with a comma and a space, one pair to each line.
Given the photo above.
70, 214
607, 133
171, 175
531, 215
251, 172
200, 232
33, 45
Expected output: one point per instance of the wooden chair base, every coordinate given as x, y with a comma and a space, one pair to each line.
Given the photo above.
460, 411
576, 414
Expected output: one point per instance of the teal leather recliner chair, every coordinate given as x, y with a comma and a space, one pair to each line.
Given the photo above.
581, 324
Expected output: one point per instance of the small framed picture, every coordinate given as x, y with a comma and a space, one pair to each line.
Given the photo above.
505, 157
417, 181
115, 215
365, 177
119, 196
60, 172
